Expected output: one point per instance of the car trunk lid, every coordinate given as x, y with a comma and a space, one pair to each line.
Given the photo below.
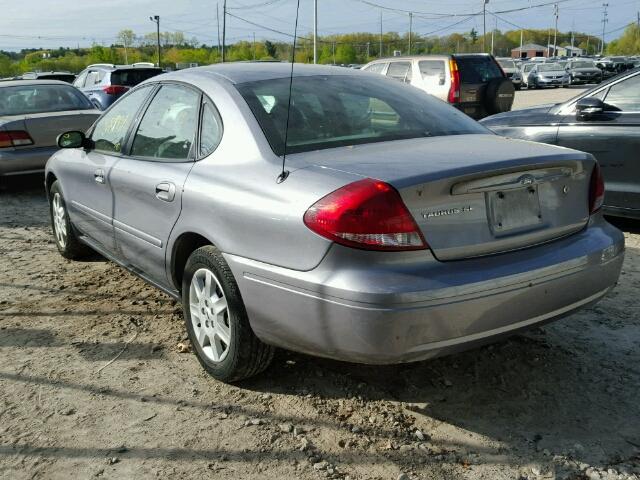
44, 128
478, 195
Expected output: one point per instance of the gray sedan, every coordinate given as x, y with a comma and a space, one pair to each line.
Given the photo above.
32, 114
382, 226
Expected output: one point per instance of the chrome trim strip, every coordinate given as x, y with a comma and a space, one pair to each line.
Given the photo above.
134, 232
92, 213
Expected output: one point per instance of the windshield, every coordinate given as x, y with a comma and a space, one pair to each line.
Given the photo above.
339, 110
527, 67
26, 99
583, 65
507, 63
549, 67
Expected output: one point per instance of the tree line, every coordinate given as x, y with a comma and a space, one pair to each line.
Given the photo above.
342, 49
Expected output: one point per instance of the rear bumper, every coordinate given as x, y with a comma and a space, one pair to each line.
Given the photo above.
25, 160
407, 307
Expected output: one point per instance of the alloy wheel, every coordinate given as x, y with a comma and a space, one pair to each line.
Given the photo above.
59, 220
210, 315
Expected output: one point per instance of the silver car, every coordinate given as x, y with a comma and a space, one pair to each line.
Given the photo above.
396, 228
32, 115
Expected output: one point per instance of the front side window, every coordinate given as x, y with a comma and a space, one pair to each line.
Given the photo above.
111, 129
625, 95
27, 99
168, 127
339, 110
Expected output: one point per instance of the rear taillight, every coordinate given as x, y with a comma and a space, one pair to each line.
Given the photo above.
15, 138
596, 190
115, 89
366, 214
454, 89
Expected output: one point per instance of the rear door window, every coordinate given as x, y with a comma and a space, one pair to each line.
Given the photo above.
168, 128
477, 69
400, 71
132, 77
376, 68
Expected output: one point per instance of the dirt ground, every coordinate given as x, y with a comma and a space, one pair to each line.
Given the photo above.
557, 402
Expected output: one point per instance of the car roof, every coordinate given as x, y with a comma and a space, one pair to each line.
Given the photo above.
242, 72
17, 83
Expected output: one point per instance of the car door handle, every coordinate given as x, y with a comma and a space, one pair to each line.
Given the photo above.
98, 176
166, 191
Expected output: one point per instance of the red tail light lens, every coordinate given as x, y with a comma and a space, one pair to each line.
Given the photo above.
15, 138
115, 89
454, 89
366, 214
596, 190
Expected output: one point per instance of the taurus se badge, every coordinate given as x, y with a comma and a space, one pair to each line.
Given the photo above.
447, 211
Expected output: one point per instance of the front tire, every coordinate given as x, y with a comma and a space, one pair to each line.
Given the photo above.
217, 321
64, 234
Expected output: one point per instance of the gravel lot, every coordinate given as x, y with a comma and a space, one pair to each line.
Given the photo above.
557, 402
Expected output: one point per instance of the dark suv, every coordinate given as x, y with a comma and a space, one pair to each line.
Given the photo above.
104, 83
473, 83
62, 76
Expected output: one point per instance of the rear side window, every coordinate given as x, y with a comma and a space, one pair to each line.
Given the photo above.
111, 129
168, 127
400, 71
210, 129
376, 68
477, 69
79, 81
93, 78
431, 68
26, 99
132, 77
625, 95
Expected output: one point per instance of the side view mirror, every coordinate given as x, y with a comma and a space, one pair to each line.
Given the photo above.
588, 106
72, 139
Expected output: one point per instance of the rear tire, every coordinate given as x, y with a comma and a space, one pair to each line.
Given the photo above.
217, 321
64, 233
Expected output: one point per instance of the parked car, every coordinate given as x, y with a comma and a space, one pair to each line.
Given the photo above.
604, 121
511, 70
612, 66
583, 71
394, 229
104, 83
473, 83
62, 76
32, 114
525, 69
547, 75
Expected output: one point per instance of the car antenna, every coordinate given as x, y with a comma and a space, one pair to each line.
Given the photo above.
285, 173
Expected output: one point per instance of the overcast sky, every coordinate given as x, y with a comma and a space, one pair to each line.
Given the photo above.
49, 24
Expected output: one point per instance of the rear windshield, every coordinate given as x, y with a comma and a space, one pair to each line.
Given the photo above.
480, 69
582, 65
131, 78
549, 67
26, 99
339, 110
65, 77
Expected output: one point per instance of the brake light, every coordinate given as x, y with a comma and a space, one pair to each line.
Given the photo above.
15, 138
454, 89
115, 89
366, 214
596, 190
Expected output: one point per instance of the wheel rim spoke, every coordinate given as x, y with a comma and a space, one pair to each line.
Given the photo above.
59, 222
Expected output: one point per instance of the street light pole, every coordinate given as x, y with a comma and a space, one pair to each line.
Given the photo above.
555, 32
484, 24
315, 31
224, 26
156, 19
604, 23
410, 30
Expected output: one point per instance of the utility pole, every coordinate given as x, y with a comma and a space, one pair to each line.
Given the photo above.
548, 41
368, 50
254, 45
156, 19
555, 31
492, 32
484, 23
218, 23
333, 52
410, 30
380, 52
604, 23
588, 38
520, 43
315, 31
224, 26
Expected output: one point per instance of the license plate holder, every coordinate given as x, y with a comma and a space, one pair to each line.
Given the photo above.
514, 210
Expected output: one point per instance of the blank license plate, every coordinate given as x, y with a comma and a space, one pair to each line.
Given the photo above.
513, 210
